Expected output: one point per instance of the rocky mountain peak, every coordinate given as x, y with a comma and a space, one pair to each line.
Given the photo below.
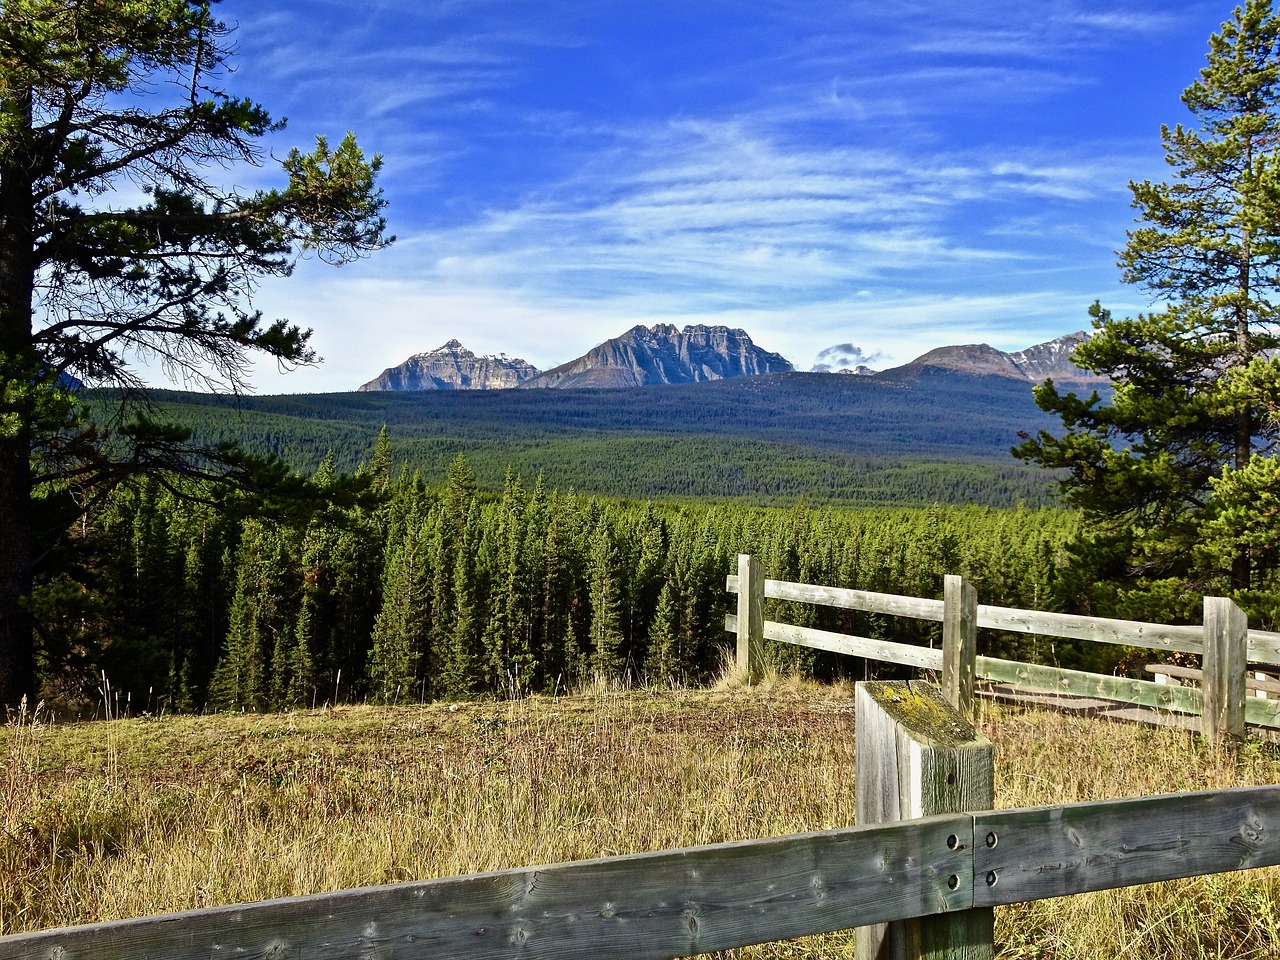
664, 354
453, 367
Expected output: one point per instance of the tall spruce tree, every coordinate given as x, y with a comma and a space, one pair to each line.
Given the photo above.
1194, 383
604, 575
95, 96
404, 621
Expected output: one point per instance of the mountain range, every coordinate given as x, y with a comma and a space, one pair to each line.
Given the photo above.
664, 354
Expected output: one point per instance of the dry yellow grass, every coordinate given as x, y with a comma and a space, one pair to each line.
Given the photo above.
135, 817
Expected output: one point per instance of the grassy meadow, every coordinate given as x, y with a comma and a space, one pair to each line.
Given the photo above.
140, 816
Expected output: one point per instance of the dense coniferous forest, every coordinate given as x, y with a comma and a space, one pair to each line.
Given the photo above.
438, 590
917, 438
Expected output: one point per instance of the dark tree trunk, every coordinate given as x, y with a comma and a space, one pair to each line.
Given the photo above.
17, 655
18, 368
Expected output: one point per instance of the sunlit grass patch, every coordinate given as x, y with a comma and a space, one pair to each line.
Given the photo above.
135, 817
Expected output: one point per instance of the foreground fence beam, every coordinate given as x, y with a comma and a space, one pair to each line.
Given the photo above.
650, 906
1040, 852
917, 756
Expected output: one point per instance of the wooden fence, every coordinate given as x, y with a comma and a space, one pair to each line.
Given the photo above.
1225, 643
938, 872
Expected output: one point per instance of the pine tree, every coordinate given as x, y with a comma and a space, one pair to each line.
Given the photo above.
1193, 382
455, 667
649, 549
381, 463
665, 660
554, 607
509, 661
402, 627
119, 243
263, 624
605, 636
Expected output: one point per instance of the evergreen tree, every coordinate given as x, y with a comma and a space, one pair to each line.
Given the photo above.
256, 670
455, 668
555, 626
1193, 382
381, 463
649, 552
402, 627
665, 661
605, 636
509, 660
95, 96
447, 545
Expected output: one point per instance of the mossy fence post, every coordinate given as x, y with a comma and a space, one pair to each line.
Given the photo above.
750, 658
1226, 643
918, 756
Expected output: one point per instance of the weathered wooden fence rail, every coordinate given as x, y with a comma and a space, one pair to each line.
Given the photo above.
938, 874
1225, 643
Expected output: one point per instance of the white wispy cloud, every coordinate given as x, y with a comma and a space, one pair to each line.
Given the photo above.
825, 173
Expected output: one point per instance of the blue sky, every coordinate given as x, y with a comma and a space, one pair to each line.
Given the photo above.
889, 176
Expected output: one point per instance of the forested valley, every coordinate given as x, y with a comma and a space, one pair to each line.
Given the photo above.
168, 597
931, 437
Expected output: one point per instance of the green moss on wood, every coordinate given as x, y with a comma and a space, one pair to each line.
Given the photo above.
919, 708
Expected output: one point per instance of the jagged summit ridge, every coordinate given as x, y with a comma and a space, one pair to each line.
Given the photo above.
453, 367
644, 356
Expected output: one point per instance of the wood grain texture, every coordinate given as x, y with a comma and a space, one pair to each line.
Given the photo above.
1225, 643
750, 618
1189, 639
926, 658
655, 905
886, 603
1077, 683
917, 756
959, 642
1054, 851
1264, 647
1262, 713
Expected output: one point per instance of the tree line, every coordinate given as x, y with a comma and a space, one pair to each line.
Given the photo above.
445, 591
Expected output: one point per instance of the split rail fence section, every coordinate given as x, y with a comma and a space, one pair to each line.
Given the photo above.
1225, 643
919, 876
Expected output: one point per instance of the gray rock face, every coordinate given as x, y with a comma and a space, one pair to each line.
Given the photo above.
1051, 360
454, 367
663, 354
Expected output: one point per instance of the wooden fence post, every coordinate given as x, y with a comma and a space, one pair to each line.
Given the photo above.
1226, 637
750, 659
959, 642
916, 757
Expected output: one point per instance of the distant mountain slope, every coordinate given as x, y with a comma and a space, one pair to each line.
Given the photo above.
661, 354
454, 367
1035, 364
934, 435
